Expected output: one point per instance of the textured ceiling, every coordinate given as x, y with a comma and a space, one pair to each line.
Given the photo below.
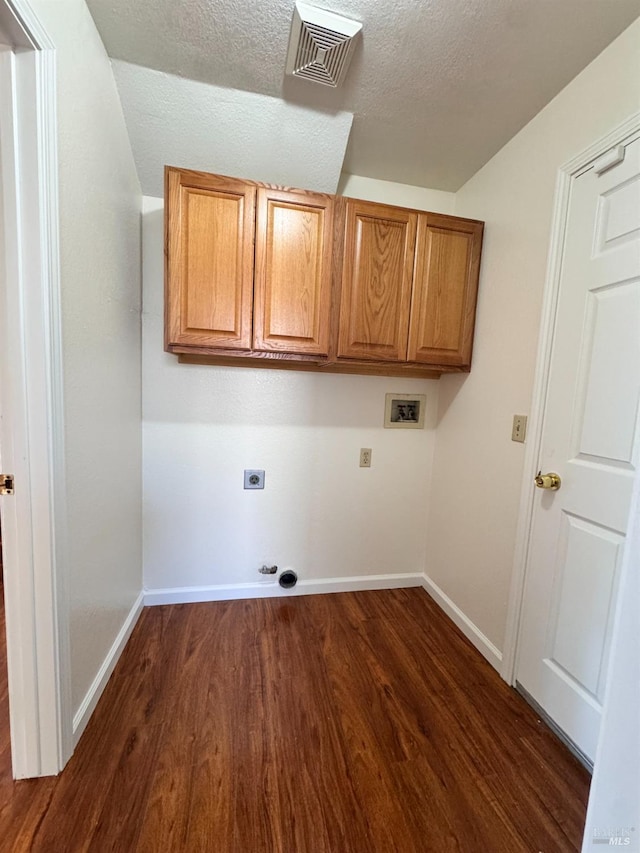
185, 123
436, 87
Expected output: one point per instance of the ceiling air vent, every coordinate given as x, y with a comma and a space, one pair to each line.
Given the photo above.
320, 45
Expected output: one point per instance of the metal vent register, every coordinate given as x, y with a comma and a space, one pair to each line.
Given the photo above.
320, 45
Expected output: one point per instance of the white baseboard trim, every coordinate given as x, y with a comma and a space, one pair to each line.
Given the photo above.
88, 704
266, 589
227, 592
471, 631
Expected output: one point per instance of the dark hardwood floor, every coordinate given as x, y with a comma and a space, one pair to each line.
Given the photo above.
350, 723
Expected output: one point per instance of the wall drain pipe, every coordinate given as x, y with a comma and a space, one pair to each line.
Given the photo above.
288, 579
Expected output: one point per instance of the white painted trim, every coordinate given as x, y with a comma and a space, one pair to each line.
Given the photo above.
27, 20
37, 617
54, 367
471, 631
623, 134
11, 33
88, 704
228, 592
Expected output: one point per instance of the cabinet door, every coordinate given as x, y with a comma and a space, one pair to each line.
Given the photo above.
209, 268
292, 294
445, 287
376, 281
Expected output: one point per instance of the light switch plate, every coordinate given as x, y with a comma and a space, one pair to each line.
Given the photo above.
519, 429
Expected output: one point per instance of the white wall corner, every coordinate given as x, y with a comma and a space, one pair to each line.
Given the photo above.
462, 621
88, 704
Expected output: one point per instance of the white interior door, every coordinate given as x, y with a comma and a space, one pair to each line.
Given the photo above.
590, 438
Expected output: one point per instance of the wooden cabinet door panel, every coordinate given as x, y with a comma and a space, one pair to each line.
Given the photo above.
292, 292
210, 228
444, 290
376, 281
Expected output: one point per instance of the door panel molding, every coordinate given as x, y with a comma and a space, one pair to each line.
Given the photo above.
624, 134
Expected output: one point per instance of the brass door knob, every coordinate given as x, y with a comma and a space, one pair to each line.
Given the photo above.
548, 481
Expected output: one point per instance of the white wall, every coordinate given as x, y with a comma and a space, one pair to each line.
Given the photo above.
319, 513
477, 469
404, 195
100, 270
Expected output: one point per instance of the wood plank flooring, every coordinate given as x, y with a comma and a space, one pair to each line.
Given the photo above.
351, 723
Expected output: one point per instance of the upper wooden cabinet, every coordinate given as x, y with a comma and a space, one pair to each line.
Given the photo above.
377, 274
209, 276
445, 286
409, 285
292, 301
218, 295
292, 278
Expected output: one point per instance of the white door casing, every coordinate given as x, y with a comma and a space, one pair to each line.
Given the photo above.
31, 403
590, 437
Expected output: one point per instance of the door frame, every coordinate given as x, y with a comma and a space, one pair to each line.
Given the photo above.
624, 134
38, 656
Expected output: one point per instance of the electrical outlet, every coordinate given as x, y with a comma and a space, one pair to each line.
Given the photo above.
365, 457
253, 479
519, 429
